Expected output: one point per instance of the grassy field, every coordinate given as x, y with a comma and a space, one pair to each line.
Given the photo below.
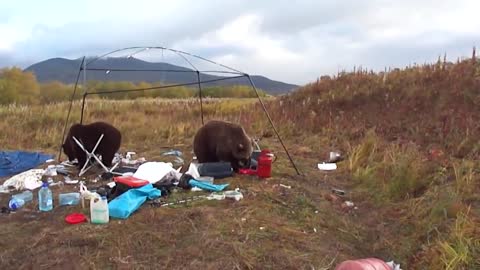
411, 169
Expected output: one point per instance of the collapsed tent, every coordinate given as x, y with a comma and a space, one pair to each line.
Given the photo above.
191, 76
14, 162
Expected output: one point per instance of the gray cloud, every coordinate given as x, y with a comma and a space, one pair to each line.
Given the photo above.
284, 40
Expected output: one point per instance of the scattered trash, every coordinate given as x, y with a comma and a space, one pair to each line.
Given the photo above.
205, 179
26, 180
262, 228
214, 196
99, 209
285, 186
247, 171
347, 205
51, 170
315, 230
393, 265
69, 198
45, 198
69, 181
153, 171
85, 194
234, 194
335, 157
128, 159
207, 186
75, 218
26, 196
15, 204
173, 152
193, 170
327, 166
338, 192
194, 189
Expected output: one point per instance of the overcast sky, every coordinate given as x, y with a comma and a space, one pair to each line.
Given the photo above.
292, 41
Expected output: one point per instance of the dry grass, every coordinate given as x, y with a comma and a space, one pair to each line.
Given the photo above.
414, 207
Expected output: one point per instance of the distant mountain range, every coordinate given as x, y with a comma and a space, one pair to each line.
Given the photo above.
65, 70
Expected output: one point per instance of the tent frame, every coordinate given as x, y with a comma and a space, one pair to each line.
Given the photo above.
84, 67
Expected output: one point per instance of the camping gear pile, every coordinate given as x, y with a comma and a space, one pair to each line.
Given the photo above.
118, 191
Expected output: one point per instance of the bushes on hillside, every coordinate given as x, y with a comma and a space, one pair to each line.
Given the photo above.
21, 87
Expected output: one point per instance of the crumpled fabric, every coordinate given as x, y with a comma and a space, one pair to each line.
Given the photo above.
207, 186
153, 171
30, 179
124, 205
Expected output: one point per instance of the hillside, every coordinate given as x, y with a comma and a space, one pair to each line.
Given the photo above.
65, 70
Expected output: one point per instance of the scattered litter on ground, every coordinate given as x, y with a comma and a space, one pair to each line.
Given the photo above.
335, 157
234, 194
69, 181
173, 152
339, 192
75, 218
30, 179
327, 166
285, 186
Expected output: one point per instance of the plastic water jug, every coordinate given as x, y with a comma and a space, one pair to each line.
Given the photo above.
45, 198
69, 198
14, 204
99, 210
26, 196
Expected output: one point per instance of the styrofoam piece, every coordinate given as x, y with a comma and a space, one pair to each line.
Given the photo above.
327, 166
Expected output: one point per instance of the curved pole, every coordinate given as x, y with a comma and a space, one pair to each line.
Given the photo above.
273, 126
163, 48
70, 108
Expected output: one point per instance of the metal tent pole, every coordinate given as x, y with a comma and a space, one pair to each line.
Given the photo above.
70, 107
271, 123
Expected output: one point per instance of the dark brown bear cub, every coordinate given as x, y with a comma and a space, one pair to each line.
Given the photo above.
88, 136
223, 141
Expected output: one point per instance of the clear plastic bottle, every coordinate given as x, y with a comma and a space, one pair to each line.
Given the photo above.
99, 210
45, 198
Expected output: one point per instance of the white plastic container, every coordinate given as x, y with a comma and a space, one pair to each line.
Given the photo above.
99, 210
327, 166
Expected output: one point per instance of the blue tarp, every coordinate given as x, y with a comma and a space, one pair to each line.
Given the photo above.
127, 203
14, 162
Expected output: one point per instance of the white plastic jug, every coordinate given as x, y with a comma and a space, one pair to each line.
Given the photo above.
99, 210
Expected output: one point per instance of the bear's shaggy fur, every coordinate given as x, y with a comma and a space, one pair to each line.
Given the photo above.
223, 141
88, 136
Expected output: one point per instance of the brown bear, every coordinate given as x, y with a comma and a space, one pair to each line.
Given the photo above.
88, 136
223, 141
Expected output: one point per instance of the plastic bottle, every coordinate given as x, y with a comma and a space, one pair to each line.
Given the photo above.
15, 203
45, 198
99, 210
26, 196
